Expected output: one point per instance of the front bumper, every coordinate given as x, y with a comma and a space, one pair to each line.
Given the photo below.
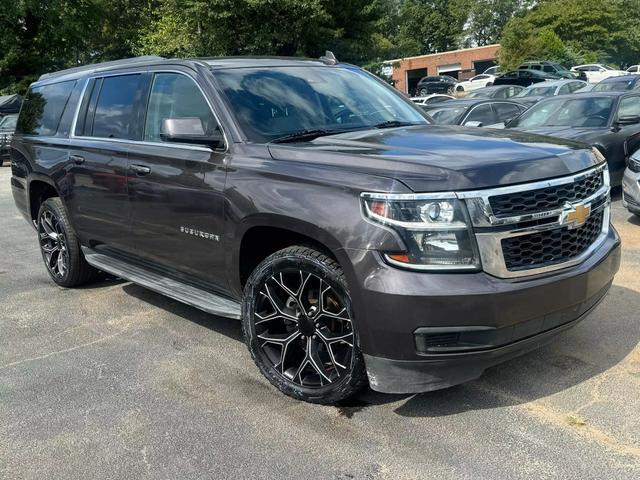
476, 320
631, 191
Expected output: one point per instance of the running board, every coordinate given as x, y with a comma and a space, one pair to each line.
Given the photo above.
196, 297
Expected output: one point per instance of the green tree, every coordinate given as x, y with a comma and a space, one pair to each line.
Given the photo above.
572, 31
487, 18
264, 27
429, 26
38, 36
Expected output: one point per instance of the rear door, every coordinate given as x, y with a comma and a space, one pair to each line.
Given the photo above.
98, 160
176, 190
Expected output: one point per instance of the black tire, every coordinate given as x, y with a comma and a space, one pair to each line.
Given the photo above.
451, 91
327, 380
52, 216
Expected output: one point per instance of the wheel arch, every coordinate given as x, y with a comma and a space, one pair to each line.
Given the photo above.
261, 235
40, 188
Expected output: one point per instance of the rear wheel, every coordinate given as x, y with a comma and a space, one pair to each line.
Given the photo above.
60, 248
423, 92
298, 326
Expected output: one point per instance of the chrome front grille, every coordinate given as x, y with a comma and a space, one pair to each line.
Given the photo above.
550, 247
548, 198
540, 227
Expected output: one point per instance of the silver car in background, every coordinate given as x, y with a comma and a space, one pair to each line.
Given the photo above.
631, 185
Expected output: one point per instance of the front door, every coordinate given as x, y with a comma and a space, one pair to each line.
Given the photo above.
176, 190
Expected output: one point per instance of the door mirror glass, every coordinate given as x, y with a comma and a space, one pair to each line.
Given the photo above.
189, 130
628, 120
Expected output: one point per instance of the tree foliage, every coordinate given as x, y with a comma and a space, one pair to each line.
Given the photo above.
574, 31
38, 36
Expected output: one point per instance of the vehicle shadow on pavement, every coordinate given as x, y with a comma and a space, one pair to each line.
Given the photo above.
634, 219
594, 346
226, 326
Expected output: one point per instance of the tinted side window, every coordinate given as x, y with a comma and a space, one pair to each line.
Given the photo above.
175, 96
564, 89
43, 108
506, 111
482, 113
629, 107
115, 106
573, 86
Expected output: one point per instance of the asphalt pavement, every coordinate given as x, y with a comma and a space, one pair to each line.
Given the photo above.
115, 381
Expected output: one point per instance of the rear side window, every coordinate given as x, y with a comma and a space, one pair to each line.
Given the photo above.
482, 113
114, 108
175, 96
43, 108
506, 111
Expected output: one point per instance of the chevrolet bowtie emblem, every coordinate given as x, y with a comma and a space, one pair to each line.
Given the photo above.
575, 215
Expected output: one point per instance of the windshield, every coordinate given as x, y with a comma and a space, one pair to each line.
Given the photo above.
445, 115
537, 92
574, 112
616, 85
270, 103
9, 122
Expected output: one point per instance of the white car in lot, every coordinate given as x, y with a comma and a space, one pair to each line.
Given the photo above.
597, 72
631, 185
633, 69
474, 83
433, 98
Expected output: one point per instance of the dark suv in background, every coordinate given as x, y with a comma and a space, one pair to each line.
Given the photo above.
553, 68
438, 84
356, 242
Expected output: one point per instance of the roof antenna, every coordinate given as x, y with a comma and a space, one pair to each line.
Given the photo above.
329, 58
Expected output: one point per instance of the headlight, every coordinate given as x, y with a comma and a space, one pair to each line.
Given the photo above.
634, 162
436, 230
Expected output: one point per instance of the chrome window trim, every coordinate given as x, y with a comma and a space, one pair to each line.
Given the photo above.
72, 135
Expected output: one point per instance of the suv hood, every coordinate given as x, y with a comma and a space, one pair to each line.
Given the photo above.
442, 158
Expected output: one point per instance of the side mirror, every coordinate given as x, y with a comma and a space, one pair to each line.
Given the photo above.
628, 120
472, 124
189, 130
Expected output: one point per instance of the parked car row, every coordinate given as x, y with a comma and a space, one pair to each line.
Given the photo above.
605, 115
7, 127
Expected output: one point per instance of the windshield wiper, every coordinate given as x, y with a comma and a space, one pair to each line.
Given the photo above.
396, 123
307, 135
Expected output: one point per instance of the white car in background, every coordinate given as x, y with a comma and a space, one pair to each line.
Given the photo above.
633, 69
597, 72
474, 83
430, 99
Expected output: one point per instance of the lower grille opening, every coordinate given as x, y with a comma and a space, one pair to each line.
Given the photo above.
552, 246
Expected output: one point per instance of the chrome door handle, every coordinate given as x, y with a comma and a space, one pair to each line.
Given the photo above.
140, 169
77, 159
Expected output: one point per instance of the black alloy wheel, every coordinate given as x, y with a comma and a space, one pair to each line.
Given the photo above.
60, 247
298, 325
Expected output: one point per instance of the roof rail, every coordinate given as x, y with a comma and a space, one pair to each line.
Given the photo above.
99, 66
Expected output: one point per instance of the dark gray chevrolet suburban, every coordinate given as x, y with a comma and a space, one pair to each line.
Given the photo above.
357, 242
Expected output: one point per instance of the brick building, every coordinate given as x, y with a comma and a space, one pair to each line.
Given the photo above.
461, 64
